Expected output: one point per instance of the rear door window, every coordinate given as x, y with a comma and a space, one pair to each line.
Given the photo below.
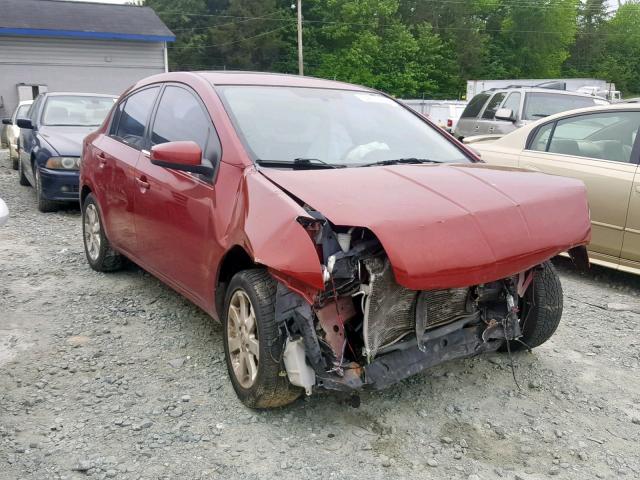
475, 106
135, 116
492, 106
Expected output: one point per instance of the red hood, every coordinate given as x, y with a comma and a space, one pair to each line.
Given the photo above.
446, 226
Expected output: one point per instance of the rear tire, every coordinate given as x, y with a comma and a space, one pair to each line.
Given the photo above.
541, 308
44, 205
267, 388
100, 255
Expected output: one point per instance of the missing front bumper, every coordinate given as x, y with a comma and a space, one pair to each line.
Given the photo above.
397, 365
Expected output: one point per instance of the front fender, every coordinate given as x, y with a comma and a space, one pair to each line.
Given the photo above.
273, 237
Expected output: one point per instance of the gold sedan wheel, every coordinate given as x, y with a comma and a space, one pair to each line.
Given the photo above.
242, 339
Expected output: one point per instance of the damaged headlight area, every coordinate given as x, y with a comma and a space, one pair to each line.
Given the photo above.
364, 330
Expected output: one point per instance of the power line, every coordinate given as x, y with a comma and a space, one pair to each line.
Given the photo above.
184, 47
248, 19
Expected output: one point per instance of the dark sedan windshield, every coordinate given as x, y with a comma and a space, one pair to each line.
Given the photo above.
76, 111
338, 127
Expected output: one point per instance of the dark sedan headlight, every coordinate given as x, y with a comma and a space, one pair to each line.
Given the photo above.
63, 163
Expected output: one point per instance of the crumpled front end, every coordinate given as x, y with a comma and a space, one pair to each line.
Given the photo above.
365, 330
435, 268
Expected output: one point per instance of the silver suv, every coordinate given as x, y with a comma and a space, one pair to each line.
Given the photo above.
499, 111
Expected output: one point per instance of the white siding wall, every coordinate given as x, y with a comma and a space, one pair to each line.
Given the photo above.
65, 64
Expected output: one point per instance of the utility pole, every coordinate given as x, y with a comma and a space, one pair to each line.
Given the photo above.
300, 55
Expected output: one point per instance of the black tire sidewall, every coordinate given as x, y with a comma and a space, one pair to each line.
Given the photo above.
541, 308
270, 389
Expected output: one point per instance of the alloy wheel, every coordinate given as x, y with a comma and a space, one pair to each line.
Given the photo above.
242, 339
92, 238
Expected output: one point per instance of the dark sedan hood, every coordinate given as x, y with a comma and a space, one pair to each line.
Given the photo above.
67, 141
446, 226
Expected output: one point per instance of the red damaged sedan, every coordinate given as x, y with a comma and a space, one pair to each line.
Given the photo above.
343, 241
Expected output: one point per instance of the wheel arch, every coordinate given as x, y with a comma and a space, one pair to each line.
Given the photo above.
84, 192
234, 260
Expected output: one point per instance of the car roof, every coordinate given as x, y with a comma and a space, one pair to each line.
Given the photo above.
275, 79
552, 91
251, 78
79, 94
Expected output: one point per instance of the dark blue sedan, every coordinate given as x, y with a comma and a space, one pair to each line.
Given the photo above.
51, 142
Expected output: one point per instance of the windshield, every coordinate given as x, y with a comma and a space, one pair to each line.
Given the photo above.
336, 127
78, 111
539, 105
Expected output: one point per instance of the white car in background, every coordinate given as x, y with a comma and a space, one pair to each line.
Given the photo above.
13, 131
4, 212
444, 113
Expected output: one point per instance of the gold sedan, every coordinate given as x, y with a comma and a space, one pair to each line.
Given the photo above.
601, 147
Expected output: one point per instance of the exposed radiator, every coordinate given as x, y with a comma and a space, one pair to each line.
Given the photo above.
390, 309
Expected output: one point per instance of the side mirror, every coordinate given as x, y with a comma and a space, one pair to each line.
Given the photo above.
4, 212
24, 123
504, 114
185, 156
7, 121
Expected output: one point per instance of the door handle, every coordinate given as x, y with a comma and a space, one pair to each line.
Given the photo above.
143, 184
102, 159
637, 187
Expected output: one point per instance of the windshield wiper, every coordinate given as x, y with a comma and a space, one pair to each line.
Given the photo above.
300, 164
400, 161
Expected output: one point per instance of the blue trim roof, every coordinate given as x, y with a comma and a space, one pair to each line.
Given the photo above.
81, 19
37, 32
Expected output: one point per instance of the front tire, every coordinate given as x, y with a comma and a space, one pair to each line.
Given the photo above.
100, 255
541, 308
13, 158
44, 204
253, 343
22, 179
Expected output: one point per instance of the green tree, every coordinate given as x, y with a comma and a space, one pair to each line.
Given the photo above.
535, 37
619, 59
590, 39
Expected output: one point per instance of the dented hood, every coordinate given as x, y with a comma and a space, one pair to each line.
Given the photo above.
446, 226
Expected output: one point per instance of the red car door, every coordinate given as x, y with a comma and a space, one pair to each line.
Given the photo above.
173, 209
116, 156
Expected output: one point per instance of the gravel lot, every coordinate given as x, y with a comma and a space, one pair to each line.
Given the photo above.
117, 376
